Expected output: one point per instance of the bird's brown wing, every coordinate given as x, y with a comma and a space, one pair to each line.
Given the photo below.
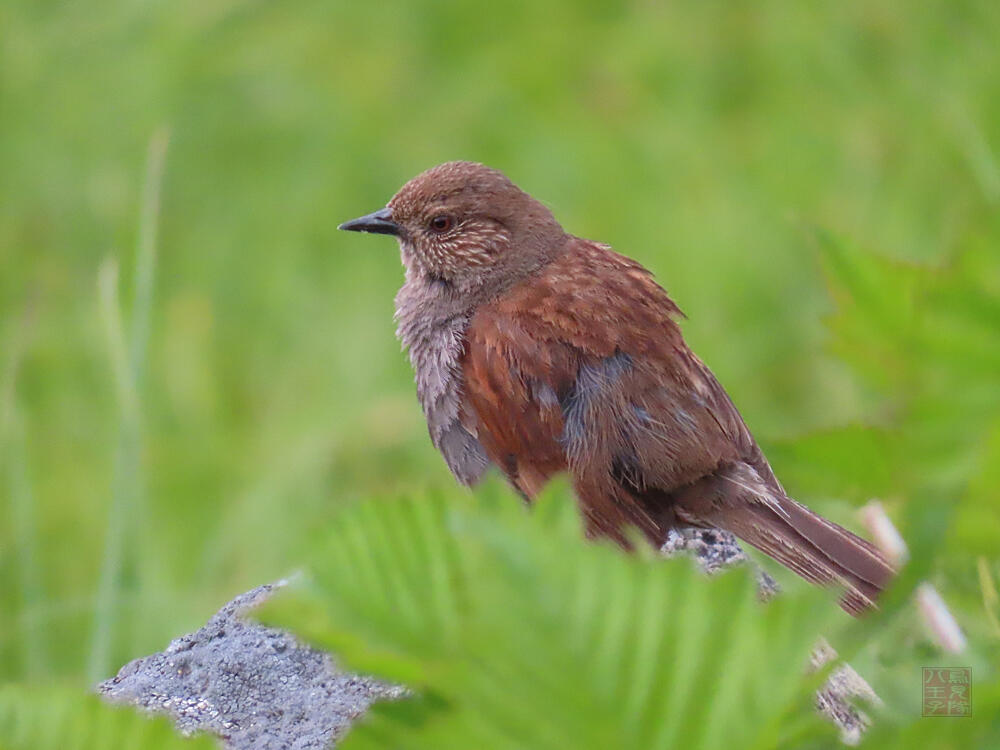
510, 400
584, 367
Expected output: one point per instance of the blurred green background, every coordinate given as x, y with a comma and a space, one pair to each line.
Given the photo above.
716, 142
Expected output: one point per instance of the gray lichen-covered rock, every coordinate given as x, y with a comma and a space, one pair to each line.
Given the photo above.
837, 697
253, 686
715, 550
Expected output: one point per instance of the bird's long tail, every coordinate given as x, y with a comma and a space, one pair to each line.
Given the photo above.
738, 500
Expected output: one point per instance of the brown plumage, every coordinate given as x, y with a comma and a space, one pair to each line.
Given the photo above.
541, 352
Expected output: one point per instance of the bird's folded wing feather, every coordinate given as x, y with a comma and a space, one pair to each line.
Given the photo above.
584, 367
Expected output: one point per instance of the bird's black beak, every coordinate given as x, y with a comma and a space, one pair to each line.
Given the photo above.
379, 222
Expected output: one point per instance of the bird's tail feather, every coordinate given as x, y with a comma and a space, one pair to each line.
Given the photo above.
816, 549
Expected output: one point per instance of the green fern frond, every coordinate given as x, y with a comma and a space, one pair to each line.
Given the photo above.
513, 631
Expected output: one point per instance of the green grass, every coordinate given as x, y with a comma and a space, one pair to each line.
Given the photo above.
121, 570
808, 182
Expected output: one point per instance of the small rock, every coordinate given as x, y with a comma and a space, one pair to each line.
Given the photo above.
252, 686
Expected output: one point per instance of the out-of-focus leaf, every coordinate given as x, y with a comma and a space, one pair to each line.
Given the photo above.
980, 730
59, 718
977, 523
930, 338
854, 462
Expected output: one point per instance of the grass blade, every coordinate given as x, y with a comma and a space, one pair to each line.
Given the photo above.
119, 569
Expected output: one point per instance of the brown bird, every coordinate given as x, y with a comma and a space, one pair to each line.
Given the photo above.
541, 352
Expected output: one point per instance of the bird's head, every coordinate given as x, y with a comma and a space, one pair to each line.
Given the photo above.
466, 225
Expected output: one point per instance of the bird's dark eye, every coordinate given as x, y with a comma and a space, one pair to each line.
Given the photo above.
441, 223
